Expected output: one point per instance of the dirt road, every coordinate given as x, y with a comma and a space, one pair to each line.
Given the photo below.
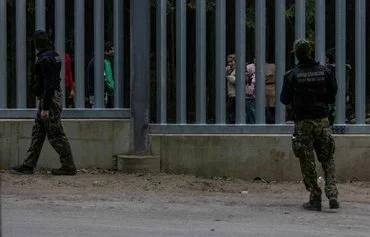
172, 205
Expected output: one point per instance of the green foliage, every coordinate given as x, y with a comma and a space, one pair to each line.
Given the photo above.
310, 18
210, 5
250, 14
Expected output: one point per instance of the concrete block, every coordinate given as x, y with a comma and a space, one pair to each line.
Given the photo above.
88, 154
155, 145
234, 156
248, 156
91, 129
122, 137
4, 144
25, 127
4, 152
93, 142
139, 163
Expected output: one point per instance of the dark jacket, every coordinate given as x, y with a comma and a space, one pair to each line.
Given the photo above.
309, 87
47, 76
89, 78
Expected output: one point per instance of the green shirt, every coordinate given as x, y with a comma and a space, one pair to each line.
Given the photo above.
109, 82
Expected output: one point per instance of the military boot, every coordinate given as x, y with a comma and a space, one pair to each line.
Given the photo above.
333, 203
64, 171
21, 169
313, 205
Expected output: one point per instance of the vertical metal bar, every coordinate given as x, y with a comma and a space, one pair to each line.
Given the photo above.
300, 19
60, 40
280, 57
260, 9
79, 56
220, 61
360, 61
240, 24
21, 63
200, 62
99, 53
320, 31
3, 55
40, 15
180, 61
140, 81
340, 57
118, 54
162, 61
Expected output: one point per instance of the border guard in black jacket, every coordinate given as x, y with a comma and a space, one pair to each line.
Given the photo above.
310, 88
46, 87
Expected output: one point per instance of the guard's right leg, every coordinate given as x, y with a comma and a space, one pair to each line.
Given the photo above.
331, 190
325, 148
60, 143
302, 144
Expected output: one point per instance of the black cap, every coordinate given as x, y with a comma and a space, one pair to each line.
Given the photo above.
40, 34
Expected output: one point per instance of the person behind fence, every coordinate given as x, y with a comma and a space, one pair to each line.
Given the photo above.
230, 78
249, 90
69, 83
108, 79
46, 87
270, 92
310, 88
250, 97
330, 63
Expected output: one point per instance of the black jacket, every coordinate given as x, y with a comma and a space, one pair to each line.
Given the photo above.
47, 76
309, 87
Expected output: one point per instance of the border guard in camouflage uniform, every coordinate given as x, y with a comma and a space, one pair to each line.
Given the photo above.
46, 87
310, 88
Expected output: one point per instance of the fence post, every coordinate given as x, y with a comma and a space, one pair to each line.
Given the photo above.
140, 74
21, 49
60, 41
40, 15
360, 93
79, 36
118, 15
220, 61
340, 59
260, 9
99, 53
181, 62
280, 48
161, 29
3, 55
240, 36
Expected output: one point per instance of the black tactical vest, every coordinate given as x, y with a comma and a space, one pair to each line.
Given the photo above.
310, 92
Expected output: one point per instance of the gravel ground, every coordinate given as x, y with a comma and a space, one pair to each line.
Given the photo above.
104, 203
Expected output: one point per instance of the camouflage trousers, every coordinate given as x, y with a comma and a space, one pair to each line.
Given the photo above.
314, 135
53, 129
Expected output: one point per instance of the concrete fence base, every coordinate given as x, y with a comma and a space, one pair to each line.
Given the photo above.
248, 156
95, 143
